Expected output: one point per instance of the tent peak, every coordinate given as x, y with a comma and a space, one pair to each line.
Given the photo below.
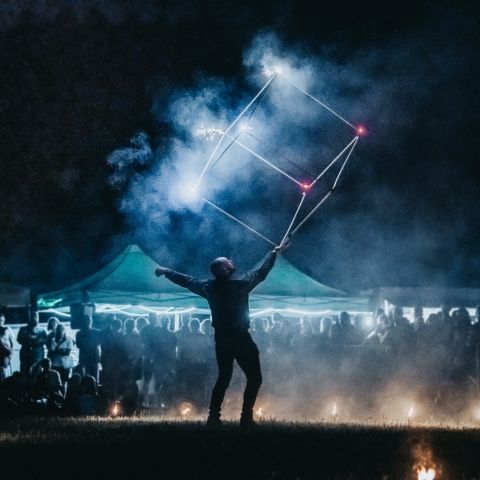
133, 248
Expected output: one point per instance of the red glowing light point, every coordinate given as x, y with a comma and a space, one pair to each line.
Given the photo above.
361, 130
305, 186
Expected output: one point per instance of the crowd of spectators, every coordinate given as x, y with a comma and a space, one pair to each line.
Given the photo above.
141, 363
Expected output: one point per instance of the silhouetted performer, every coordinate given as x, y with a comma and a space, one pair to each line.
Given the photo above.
228, 300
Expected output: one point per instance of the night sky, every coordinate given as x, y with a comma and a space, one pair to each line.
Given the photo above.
79, 79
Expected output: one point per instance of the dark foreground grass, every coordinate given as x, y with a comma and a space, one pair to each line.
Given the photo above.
152, 448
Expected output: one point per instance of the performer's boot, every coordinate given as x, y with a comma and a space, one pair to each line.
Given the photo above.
213, 420
246, 419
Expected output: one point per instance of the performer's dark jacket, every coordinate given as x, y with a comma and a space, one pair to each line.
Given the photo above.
227, 298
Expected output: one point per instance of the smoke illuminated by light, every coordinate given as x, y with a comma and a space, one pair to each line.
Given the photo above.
272, 70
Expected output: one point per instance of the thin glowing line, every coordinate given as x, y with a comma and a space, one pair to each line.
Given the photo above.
344, 163
320, 103
270, 80
261, 142
197, 183
224, 151
322, 201
304, 194
354, 140
264, 160
238, 221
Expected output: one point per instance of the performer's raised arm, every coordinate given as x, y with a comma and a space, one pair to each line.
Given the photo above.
260, 274
186, 281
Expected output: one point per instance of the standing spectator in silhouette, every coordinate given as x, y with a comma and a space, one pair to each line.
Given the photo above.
228, 301
114, 359
165, 361
60, 352
259, 334
191, 372
150, 338
6, 352
32, 339
52, 323
134, 349
209, 354
88, 343
8, 330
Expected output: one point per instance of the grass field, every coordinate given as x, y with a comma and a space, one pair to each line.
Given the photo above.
151, 447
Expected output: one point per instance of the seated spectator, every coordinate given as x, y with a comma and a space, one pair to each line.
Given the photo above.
74, 391
14, 390
89, 402
46, 383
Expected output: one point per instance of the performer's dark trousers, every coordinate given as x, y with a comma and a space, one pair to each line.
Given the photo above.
242, 349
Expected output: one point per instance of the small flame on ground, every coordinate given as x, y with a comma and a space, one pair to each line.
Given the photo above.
115, 409
411, 411
260, 412
334, 409
185, 409
426, 474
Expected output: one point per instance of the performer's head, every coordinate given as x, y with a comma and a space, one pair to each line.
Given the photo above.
222, 267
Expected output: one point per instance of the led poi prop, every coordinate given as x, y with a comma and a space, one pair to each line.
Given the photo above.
228, 138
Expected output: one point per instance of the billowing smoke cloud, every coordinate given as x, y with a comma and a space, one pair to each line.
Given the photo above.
125, 160
389, 89
284, 126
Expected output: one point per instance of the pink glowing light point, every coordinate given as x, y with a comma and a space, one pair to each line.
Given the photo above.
361, 130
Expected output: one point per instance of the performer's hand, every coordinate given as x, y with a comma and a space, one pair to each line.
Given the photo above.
282, 247
159, 271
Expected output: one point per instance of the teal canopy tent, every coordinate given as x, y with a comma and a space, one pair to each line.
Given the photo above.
129, 279
287, 287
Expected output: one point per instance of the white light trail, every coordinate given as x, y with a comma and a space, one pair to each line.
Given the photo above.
322, 201
304, 194
315, 99
265, 87
344, 163
229, 215
325, 170
264, 160
225, 149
